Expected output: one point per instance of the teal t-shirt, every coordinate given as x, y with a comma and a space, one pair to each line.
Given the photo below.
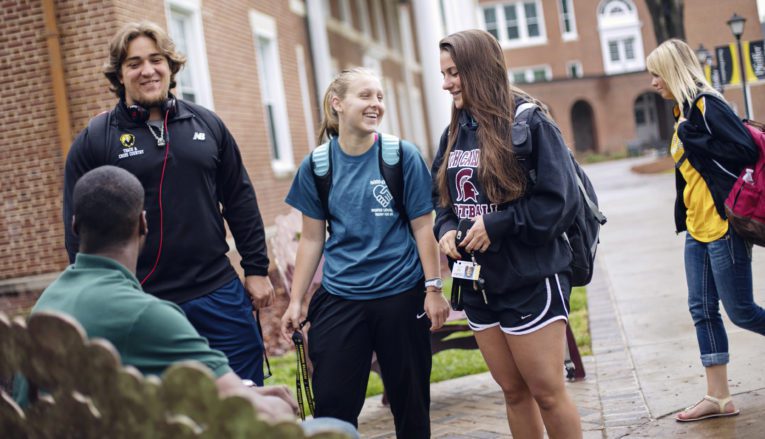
107, 300
371, 252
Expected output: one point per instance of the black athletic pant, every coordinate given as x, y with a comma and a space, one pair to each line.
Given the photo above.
341, 339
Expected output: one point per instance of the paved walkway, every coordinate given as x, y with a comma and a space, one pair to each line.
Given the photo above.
645, 363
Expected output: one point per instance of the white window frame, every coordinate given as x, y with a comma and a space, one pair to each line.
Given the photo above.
391, 107
305, 94
617, 28
570, 35
346, 17
528, 72
407, 129
195, 45
366, 25
523, 40
394, 27
377, 11
577, 65
264, 26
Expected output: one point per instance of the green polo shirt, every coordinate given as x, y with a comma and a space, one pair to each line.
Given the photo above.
108, 301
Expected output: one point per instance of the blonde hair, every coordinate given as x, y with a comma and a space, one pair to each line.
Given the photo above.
330, 123
118, 49
676, 63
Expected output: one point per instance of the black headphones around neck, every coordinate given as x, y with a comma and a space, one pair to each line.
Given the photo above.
138, 113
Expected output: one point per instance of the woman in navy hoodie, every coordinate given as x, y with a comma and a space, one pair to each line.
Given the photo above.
710, 147
517, 305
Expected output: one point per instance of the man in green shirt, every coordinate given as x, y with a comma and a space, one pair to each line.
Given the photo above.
101, 292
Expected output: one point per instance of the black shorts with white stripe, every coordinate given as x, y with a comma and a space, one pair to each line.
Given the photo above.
523, 311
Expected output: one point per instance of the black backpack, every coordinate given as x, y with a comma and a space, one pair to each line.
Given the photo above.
583, 235
388, 157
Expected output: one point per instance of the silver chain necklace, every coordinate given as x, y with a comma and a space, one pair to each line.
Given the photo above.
159, 138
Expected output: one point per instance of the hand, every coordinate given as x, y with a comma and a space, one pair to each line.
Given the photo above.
476, 238
448, 244
275, 402
291, 320
260, 290
437, 309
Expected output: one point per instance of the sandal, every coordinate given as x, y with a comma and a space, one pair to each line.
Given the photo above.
721, 403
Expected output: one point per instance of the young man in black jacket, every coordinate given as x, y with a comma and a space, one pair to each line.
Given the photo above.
194, 178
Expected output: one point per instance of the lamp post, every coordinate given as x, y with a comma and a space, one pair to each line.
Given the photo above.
736, 25
703, 55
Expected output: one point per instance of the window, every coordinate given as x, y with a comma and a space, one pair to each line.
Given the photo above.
345, 13
532, 21
366, 27
613, 50
511, 23
528, 75
620, 37
574, 69
629, 48
272, 91
490, 20
515, 24
567, 21
185, 28
379, 22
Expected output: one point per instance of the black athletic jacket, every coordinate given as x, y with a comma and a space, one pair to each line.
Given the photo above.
717, 145
205, 182
526, 234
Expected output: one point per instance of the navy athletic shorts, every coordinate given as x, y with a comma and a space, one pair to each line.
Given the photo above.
524, 310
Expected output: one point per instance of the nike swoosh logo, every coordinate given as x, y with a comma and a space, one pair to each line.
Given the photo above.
419, 316
525, 317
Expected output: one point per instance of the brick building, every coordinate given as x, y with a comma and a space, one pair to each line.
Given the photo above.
586, 60
252, 61
263, 65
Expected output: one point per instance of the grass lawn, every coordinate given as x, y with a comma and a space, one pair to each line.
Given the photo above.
451, 363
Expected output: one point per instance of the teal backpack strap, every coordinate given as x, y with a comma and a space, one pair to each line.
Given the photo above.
392, 170
321, 165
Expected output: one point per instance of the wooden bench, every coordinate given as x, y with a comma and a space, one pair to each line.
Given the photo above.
88, 394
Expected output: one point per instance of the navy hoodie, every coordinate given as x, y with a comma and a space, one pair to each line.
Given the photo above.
526, 234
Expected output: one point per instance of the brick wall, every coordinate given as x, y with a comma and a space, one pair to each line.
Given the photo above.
30, 167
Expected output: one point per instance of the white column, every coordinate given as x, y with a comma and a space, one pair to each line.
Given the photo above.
460, 15
429, 33
317, 28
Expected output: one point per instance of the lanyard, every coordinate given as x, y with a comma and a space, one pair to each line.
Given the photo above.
301, 376
262, 337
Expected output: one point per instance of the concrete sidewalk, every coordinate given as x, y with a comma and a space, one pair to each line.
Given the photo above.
645, 364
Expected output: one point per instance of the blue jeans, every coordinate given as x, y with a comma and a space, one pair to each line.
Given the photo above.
717, 271
225, 318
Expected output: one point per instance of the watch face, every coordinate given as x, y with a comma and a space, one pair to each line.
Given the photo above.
438, 283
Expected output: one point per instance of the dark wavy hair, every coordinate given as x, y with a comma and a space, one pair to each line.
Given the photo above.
489, 98
118, 49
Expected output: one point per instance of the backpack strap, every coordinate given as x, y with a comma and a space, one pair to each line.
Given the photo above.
321, 165
391, 167
684, 156
98, 128
522, 142
392, 170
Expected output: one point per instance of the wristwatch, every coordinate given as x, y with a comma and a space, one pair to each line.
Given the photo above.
435, 282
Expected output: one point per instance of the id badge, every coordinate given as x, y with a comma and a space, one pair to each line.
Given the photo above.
466, 270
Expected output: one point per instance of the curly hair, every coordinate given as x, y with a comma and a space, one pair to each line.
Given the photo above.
118, 49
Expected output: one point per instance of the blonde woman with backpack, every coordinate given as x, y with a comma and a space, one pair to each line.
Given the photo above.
380, 289
710, 147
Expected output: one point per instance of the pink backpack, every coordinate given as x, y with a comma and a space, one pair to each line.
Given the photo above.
745, 205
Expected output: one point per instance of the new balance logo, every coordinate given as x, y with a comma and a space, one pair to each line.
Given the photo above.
199, 136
